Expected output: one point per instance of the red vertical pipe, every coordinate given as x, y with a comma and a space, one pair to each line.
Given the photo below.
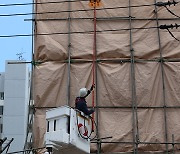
93, 67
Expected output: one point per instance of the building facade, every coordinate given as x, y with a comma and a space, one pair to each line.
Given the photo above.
14, 100
1, 101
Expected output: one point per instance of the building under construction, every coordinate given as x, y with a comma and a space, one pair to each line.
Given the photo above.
130, 50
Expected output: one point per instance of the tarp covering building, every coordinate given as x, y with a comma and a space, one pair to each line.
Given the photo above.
137, 70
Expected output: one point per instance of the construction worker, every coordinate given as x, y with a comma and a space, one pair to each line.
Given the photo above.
81, 103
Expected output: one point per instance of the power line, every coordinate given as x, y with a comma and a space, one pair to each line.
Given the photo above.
67, 11
50, 2
169, 3
79, 10
67, 1
78, 32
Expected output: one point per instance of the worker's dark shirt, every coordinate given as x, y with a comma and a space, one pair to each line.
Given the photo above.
81, 105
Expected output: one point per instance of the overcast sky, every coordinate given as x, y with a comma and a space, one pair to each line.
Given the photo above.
9, 47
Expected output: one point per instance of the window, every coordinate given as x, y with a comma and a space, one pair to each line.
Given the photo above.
1, 110
1, 96
1, 128
1, 125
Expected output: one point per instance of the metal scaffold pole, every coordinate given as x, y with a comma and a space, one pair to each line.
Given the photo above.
94, 82
69, 55
29, 133
93, 62
163, 80
105, 19
133, 89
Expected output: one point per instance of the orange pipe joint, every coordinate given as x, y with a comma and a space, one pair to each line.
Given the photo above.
94, 3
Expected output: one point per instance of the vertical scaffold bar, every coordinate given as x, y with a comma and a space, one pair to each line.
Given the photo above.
94, 59
94, 69
30, 119
32, 51
133, 88
163, 80
97, 116
69, 54
34, 9
173, 144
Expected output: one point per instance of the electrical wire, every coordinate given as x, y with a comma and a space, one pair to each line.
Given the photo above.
78, 32
65, 1
169, 3
171, 12
67, 11
88, 136
172, 35
37, 3
167, 27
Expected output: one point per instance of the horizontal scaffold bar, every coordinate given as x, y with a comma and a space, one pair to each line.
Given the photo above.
118, 142
121, 107
101, 19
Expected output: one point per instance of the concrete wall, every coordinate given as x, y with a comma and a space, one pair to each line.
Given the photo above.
1, 81
16, 89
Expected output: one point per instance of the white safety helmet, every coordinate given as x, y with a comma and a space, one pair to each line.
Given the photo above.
82, 92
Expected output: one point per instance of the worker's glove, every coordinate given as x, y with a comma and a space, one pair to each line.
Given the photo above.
92, 87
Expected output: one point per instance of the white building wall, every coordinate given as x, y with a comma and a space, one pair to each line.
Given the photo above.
16, 98
1, 81
1, 100
1, 116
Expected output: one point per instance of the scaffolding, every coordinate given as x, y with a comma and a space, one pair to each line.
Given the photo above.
135, 144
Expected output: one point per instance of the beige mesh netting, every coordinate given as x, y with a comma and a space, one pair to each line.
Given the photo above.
137, 70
